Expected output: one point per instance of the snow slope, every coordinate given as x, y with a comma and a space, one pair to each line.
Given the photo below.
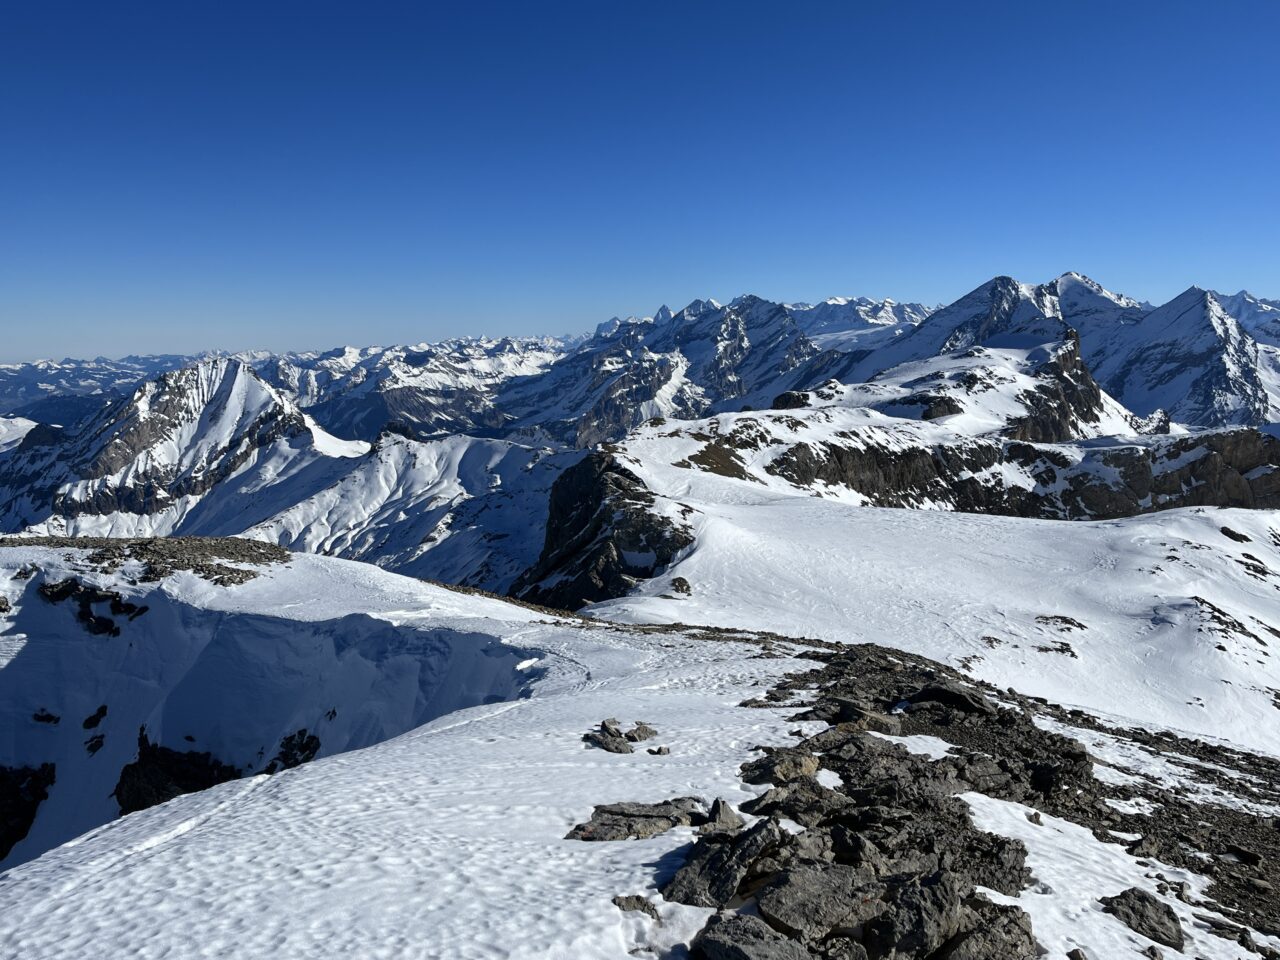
444, 842
313, 645
1179, 618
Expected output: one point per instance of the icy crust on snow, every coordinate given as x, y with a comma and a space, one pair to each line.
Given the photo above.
1177, 627
444, 842
342, 651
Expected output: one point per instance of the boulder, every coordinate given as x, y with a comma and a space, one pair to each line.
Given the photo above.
1145, 915
635, 821
738, 937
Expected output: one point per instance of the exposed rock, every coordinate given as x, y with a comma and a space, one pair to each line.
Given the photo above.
635, 903
297, 748
780, 766
640, 732
951, 694
790, 400
812, 900
635, 821
206, 557
737, 937
22, 790
719, 863
1145, 915
159, 774
600, 538
611, 737
722, 819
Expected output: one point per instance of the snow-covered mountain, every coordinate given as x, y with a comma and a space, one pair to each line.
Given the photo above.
424, 390
901, 634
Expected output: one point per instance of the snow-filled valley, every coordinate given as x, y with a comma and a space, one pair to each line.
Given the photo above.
754, 630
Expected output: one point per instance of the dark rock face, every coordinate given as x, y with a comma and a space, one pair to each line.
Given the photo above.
297, 748
600, 540
85, 597
22, 790
1229, 468
790, 400
159, 774
1067, 397
1145, 915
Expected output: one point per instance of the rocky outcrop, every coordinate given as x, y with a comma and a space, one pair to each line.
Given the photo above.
889, 864
209, 558
22, 790
1229, 468
601, 538
159, 774
1067, 398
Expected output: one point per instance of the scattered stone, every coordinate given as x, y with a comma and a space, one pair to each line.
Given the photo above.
681, 585
659, 751
640, 732
635, 821
44, 716
92, 721
1077, 954
634, 903
610, 736
1235, 535
94, 743
1145, 915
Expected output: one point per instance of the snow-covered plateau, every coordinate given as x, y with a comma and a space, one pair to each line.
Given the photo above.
856, 630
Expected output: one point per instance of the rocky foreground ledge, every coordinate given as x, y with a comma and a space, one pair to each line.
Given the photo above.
866, 846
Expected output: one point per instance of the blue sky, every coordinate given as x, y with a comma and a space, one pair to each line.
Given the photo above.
272, 175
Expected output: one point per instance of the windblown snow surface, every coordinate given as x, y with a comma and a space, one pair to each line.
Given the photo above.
443, 842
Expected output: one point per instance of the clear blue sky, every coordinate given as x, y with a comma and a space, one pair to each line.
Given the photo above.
187, 175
